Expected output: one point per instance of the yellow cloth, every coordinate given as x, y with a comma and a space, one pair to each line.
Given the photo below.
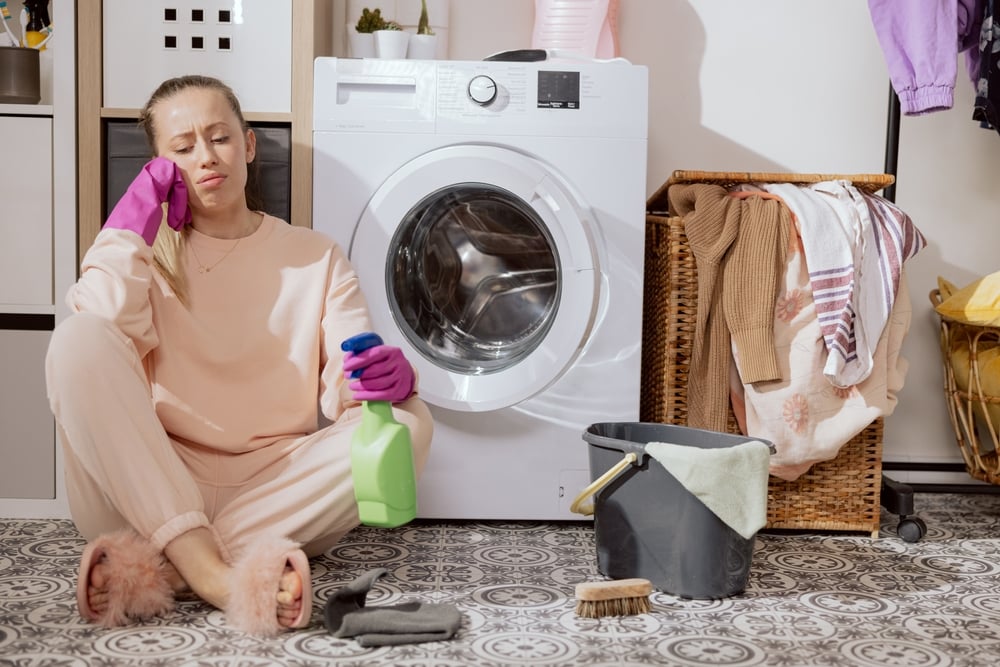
730, 481
976, 303
988, 363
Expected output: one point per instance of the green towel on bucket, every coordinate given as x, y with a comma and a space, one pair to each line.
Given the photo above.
730, 481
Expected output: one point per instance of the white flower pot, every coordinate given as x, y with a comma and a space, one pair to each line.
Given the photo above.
422, 47
391, 43
362, 43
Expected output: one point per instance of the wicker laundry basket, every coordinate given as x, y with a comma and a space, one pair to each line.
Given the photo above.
974, 410
842, 494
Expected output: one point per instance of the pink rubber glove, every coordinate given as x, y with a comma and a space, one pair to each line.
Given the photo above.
139, 209
385, 374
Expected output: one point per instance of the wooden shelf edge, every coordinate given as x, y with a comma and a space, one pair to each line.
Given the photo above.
113, 113
26, 110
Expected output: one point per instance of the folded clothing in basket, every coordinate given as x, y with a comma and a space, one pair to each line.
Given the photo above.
977, 303
730, 481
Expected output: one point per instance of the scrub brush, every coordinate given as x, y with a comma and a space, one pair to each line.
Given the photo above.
622, 597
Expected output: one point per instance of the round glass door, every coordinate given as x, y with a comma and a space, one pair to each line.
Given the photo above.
473, 278
479, 262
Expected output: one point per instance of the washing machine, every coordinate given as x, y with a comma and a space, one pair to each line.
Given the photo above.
494, 212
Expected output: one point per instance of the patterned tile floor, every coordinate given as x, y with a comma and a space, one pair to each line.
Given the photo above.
834, 600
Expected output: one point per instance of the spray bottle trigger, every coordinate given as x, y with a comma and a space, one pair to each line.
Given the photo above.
358, 343
361, 341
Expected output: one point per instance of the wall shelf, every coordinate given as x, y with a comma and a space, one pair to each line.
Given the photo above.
251, 116
44, 110
29, 309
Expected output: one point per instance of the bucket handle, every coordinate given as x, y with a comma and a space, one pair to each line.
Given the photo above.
599, 483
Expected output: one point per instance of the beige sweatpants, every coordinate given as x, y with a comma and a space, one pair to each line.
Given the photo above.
122, 469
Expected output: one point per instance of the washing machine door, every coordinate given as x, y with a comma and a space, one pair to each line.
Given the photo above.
480, 263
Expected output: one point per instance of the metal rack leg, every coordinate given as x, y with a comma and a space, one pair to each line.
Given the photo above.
898, 497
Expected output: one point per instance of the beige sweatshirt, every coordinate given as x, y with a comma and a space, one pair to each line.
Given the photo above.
256, 354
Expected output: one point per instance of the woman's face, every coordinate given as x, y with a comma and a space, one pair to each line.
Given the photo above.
197, 129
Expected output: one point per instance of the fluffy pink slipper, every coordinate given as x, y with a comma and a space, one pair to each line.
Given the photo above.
254, 586
137, 586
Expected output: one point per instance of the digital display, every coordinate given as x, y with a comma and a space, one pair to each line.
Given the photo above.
558, 90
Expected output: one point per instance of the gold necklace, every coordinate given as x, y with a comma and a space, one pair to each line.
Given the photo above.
206, 269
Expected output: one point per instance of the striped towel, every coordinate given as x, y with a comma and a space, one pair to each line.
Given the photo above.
889, 238
896, 239
855, 245
831, 241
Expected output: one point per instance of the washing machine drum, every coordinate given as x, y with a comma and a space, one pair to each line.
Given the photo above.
480, 263
474, 278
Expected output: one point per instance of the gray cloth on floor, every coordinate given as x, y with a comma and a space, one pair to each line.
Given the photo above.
346, 615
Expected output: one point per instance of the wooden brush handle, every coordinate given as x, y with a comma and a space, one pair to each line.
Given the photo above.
610, 590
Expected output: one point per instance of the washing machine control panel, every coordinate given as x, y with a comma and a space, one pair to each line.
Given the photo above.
526, 98
479, 91
480, 98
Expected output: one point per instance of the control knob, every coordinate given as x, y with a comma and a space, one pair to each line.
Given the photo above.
483, 90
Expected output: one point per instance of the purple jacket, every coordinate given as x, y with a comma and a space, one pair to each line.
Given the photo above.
921, 40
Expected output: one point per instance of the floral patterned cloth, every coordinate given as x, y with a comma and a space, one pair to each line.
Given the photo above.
807, 418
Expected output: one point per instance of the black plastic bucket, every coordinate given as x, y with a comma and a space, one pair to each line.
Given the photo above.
648, 525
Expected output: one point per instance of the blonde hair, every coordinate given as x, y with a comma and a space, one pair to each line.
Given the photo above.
168, 258
168, 248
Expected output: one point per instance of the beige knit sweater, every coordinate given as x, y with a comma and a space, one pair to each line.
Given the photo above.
739, 246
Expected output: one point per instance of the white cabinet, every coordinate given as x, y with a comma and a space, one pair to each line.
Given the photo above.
38, 263
247, 45
26, 223
27, 430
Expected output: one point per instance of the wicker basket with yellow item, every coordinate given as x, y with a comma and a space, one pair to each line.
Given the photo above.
970, 354
841, 494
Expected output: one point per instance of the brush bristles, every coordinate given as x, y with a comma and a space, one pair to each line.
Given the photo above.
615, 607
623, 597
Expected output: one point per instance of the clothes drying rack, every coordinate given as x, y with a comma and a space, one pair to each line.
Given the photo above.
897, 497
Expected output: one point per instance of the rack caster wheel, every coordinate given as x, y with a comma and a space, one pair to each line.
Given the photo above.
911, 529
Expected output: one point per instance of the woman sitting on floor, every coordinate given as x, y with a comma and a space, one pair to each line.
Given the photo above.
188, 382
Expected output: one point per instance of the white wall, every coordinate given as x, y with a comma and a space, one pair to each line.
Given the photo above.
802, 86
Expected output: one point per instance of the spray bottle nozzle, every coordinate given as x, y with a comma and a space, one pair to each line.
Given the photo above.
38, 14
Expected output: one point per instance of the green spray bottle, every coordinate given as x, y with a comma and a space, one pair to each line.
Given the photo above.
385, 482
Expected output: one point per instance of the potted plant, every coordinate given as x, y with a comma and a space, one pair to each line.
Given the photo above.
391, 41
362, 37
423, 45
